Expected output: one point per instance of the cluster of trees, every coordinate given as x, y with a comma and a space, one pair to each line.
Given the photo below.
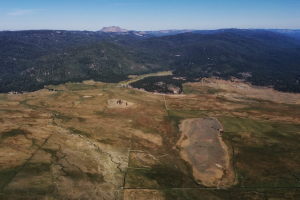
161, 84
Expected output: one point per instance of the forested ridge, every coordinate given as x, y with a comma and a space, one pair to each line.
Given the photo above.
31, 59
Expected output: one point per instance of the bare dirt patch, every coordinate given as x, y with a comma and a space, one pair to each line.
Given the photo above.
237, 89
156, 139
119, 103
87, 96
141, 159
143, 194
202, 147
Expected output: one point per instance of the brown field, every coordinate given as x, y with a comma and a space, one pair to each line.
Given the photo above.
237, 89
201, 145
78, 143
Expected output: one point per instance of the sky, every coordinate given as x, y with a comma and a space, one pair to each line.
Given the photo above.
148, 14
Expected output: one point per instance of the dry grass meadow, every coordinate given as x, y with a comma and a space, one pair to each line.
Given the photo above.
78, 141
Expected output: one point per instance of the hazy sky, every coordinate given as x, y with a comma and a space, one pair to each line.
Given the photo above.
148, 14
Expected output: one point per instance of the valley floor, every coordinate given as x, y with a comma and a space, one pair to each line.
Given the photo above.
94, 140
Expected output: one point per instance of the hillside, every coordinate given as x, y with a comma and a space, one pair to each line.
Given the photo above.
267, 58
31, 59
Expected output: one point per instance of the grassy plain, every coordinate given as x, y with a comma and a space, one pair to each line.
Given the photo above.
70, 144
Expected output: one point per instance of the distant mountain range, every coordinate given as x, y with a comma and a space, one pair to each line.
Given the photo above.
113, 29
295, 33
119, 30
288, 32
31, 59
